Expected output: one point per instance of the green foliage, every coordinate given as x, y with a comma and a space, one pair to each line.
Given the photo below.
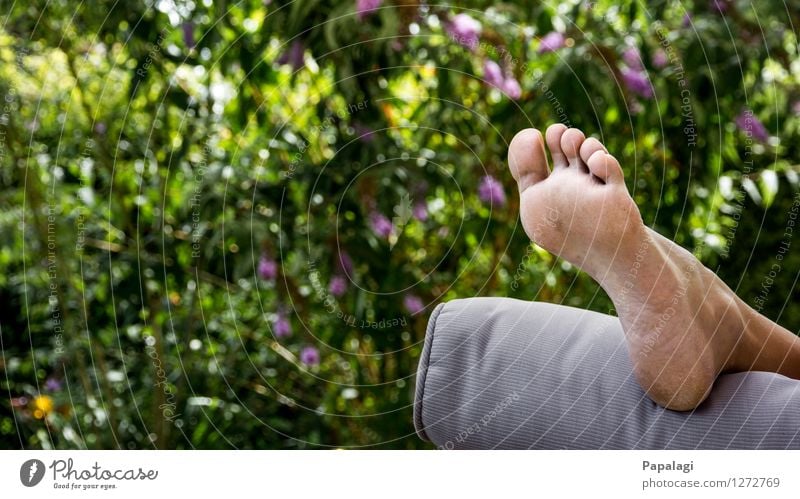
183, 182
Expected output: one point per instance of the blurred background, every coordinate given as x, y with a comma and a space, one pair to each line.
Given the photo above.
224, 224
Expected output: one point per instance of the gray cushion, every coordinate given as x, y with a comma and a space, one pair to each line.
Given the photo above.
498, 373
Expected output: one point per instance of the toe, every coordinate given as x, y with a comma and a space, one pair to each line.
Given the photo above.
526, 158
553, 135
589, 147
605, 167
571, 142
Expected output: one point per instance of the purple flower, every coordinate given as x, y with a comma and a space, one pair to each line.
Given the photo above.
188, 35
632, 58
551, 42
294, 55
420, 211
380, 225
491, 191
752, 126
282, 327
511, 88
363, 132
796, 107
345, 263
309, 356
720, 6
52, 385
638, 83
464, 30
492, 74
367, 7
267, 268
660, 59
413, 304
337, 286
687, 20
100, 128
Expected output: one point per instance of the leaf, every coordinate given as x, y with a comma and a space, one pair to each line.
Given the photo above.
751, 189
769, 186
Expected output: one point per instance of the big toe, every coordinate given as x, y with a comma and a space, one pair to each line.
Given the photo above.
526, 158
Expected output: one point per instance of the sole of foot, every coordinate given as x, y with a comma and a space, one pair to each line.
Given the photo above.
683, 325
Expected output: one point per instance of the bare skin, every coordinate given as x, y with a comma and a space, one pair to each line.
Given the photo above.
682, 324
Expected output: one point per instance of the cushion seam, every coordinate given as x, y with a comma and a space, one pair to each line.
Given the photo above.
422, 373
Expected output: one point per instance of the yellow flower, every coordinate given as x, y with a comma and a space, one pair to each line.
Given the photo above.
42, 406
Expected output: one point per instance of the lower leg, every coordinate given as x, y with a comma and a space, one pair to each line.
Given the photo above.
770, 347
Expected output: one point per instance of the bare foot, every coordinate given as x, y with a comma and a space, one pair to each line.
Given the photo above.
683, 325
